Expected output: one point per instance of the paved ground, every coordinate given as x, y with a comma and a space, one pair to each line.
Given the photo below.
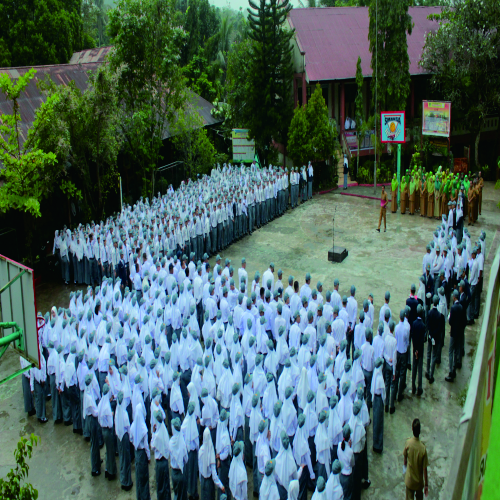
297, 243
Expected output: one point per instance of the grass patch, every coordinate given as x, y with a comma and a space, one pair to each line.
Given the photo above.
462, 395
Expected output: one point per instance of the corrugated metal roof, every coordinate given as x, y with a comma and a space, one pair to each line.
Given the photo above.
31, 99
334, 37
96, 55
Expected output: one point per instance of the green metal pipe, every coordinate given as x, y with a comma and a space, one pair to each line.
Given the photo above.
13, 280
22, 370
10, 338
10, 324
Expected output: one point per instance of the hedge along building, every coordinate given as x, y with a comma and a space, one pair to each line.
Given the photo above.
326, 47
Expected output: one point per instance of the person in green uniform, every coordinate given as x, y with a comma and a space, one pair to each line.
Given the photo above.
394, 193
403, 194
412, 194
437, 194
430, 195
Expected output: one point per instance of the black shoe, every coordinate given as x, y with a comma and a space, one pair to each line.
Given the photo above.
385, 230
476, 316
87, 438
98, 473
68, 423
58, 421
376, 450
449, 378
454, 374
106, 474
48, 398
111, 477
408, 367
426, 375
366, 484
378, 230
459, 366
31, 413
431, 380
387, 409
392, 410
43, 420
78, 431
420, 392
414, 391
400, 398
438, 362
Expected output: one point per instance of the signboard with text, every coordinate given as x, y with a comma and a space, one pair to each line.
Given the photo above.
243, 147
436, 118
392, 125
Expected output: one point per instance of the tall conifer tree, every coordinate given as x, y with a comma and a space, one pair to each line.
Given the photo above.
269, 106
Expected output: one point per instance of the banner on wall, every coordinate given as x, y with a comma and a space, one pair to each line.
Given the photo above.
436, 118
392, 126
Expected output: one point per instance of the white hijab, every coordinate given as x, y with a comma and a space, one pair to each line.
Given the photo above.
206, 455
378, 382
285, 465
138, 428
303, 388
268, 488
237, 473
122, 422
161, 441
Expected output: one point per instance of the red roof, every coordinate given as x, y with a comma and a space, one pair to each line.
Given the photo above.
332, 38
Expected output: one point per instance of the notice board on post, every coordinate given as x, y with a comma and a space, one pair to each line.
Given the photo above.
436, 118
392, 127
243, 147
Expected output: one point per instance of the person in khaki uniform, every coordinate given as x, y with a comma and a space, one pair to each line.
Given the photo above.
415, 465
384, 201
470, 203
423, 196
480, 192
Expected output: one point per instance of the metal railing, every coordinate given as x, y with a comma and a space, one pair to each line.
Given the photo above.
471, 443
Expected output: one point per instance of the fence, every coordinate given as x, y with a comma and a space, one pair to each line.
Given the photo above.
471, 446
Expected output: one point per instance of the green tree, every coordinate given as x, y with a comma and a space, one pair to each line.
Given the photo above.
299, 147
40, 32
201, 22
89, 20
84, 132
238, 68
390, 61
268, 104
14, 487
320, 131
28, 173
312, 136
462, 57
359, 103
191, 142
147, 40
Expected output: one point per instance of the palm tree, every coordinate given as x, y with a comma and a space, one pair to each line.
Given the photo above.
226, 38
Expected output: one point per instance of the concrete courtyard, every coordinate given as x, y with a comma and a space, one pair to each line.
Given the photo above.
297, 243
